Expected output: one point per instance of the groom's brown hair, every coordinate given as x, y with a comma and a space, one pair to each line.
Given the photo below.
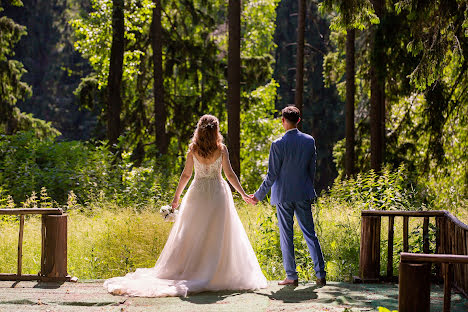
291, 113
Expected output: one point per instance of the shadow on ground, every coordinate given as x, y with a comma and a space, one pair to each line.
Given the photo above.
91, 296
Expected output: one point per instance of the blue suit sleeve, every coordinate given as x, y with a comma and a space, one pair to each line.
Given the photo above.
274, 166
312, 164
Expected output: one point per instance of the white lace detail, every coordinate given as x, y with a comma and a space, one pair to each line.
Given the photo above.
208, 171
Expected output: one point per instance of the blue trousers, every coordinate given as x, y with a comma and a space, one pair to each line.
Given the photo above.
285, 213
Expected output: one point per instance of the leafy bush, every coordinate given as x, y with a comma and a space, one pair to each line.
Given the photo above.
28, 163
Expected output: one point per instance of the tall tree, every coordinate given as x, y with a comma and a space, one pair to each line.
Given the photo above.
377, 86
160, 112
234, 75
299, 90
12, 88
350, 92
114, 99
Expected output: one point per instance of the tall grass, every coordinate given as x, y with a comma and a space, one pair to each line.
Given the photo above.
107, 239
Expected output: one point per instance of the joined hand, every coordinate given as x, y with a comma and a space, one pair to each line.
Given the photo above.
252, 199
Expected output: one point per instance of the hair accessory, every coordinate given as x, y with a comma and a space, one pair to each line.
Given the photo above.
210, 125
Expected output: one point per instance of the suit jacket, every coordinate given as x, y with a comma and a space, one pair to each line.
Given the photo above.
291, 169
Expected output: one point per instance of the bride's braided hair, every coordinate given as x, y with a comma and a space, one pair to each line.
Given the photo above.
206, 139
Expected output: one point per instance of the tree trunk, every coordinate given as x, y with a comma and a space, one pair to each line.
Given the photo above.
298, 99
377, 85
233, 96
350, 92
114, 104
160, 113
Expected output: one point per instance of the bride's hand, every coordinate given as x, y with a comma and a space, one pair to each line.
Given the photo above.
175, 203
247, 199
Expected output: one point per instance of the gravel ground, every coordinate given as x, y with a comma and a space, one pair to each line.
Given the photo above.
91, 296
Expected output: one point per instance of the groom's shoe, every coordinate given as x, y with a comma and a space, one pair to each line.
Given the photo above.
289, 282
321, 282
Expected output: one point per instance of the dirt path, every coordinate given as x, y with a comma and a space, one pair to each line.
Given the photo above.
90, 296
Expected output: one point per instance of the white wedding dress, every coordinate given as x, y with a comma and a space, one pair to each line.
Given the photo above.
207, 249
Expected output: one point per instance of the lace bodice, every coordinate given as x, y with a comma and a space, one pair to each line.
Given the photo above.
211, 171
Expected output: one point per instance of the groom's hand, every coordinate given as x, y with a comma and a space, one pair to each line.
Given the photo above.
247, 199
254, 199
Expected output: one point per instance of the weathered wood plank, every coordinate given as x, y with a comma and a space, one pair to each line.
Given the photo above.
439, 258
34, 277
426, 235
405, 233
54, 260
391, 221
447, 272
456, 221
23, 211
16, 277
20, 246
369, 260
438, 222
386, 213
414, 287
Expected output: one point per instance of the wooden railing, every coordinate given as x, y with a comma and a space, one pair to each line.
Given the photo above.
414, 279
53, 245
451, 239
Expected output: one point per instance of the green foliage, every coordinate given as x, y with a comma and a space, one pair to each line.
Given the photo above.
26, 122
349, 14
84, 171
257, 134
12, 88
94, 36
258, 27
391, 190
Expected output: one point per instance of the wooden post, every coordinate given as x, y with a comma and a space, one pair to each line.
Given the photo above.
391, 221
438, 222
54, 257
20, 246
405, 233
426, 235
369, 260
414, 287
447, 272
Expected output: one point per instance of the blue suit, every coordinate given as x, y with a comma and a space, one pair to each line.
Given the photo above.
291, 171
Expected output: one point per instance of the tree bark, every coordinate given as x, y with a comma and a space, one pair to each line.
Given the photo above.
377, 85
160, 112
114, 99
234, 72
350, 92
299, 90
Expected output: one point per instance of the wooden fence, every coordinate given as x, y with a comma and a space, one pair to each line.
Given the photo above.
451, 238
53, 241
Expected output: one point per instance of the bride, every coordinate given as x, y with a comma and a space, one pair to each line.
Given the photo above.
207, 249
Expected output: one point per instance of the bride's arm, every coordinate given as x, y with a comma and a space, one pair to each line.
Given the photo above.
184, 178
231, 176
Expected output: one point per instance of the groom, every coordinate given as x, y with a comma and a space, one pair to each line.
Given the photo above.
291, 171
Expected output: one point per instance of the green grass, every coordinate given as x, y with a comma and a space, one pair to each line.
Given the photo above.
105, 240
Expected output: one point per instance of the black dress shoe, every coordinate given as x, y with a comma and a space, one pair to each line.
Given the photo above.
321, 282
289, 282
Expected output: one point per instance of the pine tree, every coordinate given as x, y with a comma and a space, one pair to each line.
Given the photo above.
12, 88
160, 111
234, 75
114, 99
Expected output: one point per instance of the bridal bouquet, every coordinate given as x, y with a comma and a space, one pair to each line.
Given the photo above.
167, 214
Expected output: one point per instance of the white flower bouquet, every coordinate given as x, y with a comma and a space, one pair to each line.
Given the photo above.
167, 214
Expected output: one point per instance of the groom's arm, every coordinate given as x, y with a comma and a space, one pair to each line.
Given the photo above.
274, 166
312, 164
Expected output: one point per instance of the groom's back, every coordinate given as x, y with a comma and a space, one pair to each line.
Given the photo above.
296, 177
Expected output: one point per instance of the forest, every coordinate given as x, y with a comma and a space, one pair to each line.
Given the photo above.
99, 100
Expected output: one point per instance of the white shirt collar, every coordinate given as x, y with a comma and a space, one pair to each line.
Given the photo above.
292, 129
